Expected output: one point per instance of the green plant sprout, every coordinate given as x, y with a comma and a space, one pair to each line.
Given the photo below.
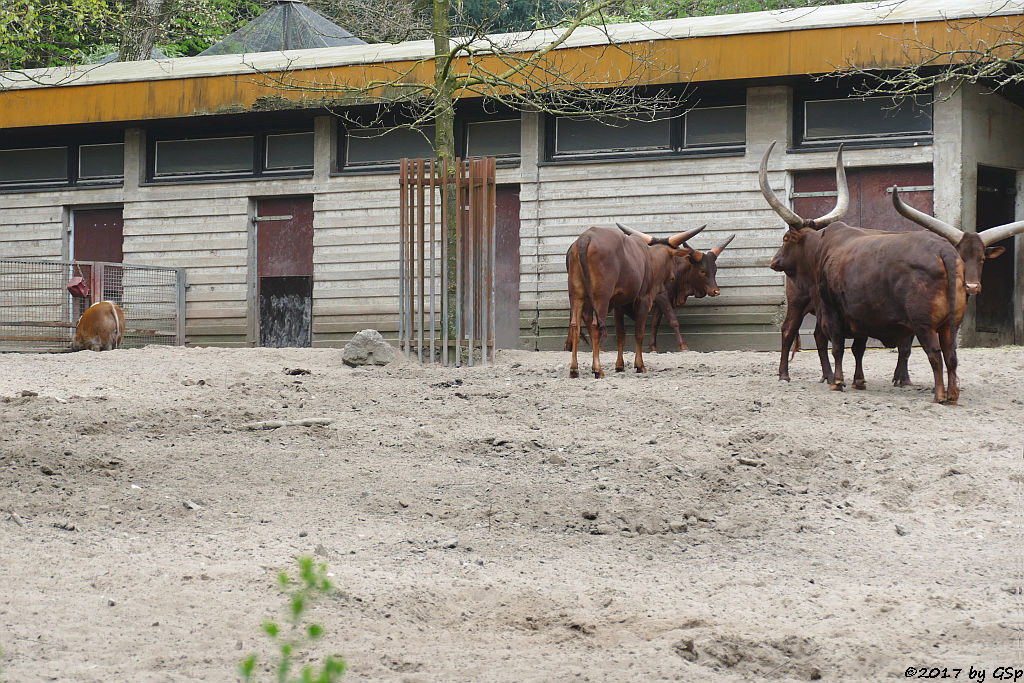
312, 583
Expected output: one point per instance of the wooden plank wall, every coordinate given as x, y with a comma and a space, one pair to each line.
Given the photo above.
206, 228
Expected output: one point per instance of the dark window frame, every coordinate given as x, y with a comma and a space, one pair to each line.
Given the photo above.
259, 144
676, 147
833, 93
71, 179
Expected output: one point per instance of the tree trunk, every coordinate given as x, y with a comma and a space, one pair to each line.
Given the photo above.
444, 149
143, 28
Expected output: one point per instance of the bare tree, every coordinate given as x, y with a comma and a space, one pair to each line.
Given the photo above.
525, 71
143, 24
986, 50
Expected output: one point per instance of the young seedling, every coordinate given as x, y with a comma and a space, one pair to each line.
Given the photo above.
312, 583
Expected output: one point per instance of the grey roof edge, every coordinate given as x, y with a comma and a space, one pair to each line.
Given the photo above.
878, 12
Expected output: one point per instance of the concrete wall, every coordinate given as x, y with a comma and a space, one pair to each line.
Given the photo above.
991, 134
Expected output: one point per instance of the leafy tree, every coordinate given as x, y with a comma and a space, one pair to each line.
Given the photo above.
42, 33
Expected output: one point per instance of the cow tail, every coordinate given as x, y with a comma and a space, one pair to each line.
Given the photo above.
584, 246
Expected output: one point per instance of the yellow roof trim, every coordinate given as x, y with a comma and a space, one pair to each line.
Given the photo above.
708, 57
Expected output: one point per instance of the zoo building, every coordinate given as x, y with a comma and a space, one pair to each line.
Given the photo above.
206, 164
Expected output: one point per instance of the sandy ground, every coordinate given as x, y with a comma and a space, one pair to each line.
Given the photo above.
703, 522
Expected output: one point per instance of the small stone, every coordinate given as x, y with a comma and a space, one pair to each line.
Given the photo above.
589, 514
677, 527
900, 531
556, 459
367, 348
45, 469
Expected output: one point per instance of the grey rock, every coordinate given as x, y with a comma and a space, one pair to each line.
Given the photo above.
367, 348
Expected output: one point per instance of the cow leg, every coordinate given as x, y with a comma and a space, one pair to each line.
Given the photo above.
595, 343
655, 322
901, 376
790, 328
673, 322
859, 344
573, 342
641, 323
947, 341
930, 343
821, 342
620, 338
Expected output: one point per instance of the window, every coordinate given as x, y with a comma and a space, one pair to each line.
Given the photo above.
865, 118
61, 166
98, 162
34, 164
702, 130
204, 156
289, 151
192, 157
493, 138
380, 146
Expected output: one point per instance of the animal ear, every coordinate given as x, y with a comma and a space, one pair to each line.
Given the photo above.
992, 252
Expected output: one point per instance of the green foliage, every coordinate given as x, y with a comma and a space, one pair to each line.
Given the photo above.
41, 33
653, 10
311, 584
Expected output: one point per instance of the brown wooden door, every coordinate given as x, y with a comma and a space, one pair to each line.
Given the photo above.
98, 235
284, 271
994, 306
814, 194
506, 268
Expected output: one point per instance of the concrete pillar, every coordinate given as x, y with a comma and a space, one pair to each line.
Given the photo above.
769, 117
134, 162
954, 185
325, 150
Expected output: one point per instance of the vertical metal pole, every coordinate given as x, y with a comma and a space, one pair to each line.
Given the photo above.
420, 277
474, 226
459, 261
179, 301
444, 262
410, 255
493, 238
402, 179
433, 301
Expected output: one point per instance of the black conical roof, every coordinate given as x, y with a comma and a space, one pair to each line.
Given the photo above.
288, 25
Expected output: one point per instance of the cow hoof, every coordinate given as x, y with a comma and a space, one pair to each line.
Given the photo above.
599, 374
620, 368
642, 368
574, 374
837, 386
784, 379
684, 347
860, 385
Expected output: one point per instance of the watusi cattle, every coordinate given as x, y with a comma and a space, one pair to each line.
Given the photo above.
611, 270
973, 248
694, 276
100, 328
888, 285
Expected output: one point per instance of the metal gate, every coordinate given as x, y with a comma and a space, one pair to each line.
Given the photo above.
38, 314
424, 257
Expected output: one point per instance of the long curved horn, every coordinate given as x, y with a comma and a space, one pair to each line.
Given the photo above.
842, 195
679, 238
934, 224
791, 218
1001, 232
630, 231
721, 247
794, 221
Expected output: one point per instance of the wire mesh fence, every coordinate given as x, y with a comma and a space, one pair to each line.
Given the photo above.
37, 313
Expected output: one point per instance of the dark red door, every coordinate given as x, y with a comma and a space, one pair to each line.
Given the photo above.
98, 235
814, 194
284, 270
506, 268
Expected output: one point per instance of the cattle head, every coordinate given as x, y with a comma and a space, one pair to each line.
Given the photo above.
693, 271
972, 247
794, 249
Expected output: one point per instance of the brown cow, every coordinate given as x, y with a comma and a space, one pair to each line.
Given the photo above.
100, 328
887, 285
694, 277
973, 248
608, 269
